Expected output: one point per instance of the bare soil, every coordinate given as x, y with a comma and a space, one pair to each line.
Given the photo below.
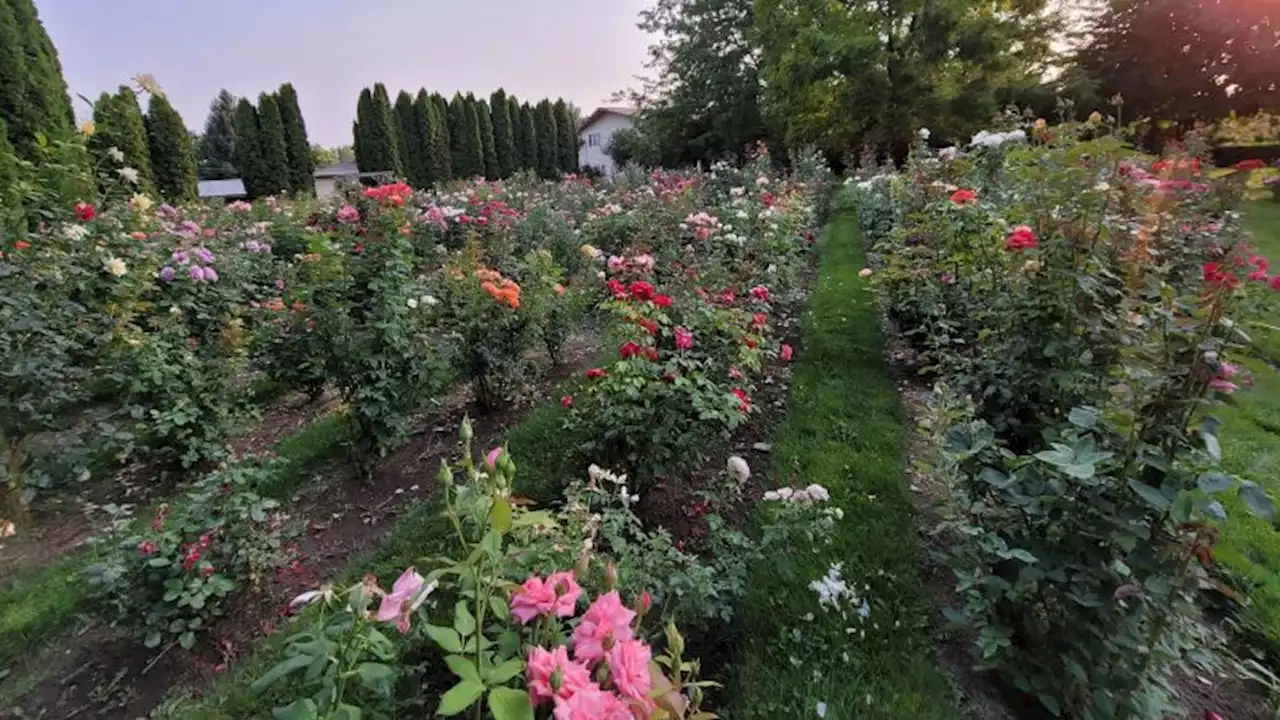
103, 674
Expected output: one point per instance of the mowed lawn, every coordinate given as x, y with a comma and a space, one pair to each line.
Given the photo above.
1251, 444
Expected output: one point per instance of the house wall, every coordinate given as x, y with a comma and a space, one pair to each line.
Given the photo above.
598, 156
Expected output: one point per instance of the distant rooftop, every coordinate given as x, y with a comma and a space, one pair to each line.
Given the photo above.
608, 110
233, 188
343, 170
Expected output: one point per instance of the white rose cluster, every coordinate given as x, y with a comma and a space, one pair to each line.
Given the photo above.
990, 139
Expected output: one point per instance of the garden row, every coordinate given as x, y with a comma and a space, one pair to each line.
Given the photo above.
1081, 313
385, 299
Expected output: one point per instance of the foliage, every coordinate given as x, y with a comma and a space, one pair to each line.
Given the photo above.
173, 159
411, 143
249, 156
487, 142
530, 148
33, 95
905, 64
465, 151
566, 137
1183, 61
375, 138
118, 124
301, 166
503, 134
546, 140
1076, 309
217, 146
705, 103
430, 132
272, 146
443, 139
169, 581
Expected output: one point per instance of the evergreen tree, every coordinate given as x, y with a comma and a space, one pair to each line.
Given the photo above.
271, 146
545, 131
464, 139
376, 144
443, 140
411, 142
120, 125
248, 154
566, 137
387, 119
529, 134
218, 144
518, 143
173, 157
491, 167
302, 168
503, 139
428, 134
355, 143
33, 93
474, 140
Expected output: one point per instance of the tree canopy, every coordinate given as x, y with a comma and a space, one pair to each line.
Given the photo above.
172, 153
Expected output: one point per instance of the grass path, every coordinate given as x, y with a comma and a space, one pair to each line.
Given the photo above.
845, 430
1251, 446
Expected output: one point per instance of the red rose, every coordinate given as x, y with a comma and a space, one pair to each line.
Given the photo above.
206, 571
146, 548
786, 353
744, 400
662, 301
566, 401
641, 290
961, 197
22, 245
628, 349
1022, 238
595, 374
85, 212
617, 288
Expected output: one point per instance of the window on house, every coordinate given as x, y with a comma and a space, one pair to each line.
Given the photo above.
593, 140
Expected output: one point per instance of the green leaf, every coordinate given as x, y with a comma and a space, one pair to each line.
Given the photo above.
187, 640
1257, 500
504, 672
501, 515
153, 639
1214, 482
282, 669
347, 712
446, 638
463, 667
1211, 445
377, 677
1214, 509
460, 697
304, 709
510, 704
463, 621
1083, 417
1151, 495
1023, 555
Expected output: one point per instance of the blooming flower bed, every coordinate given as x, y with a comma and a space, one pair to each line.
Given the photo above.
1074, 305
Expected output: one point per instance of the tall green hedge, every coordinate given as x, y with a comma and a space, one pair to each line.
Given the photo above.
173, 154
566, 137
548, 140
253, 171
33, 93
302, 167
491, 168
120, 126
503, 140
271, 146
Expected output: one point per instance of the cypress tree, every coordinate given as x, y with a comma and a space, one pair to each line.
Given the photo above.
411, 143
302, 168
248, 152
503, 140
566, 137
218, 144
444, 141
545, 129
120, 125
376, 149
518, 142
491, 168
474, 143
271, 145
530, 136
173, 157
387, 124
33, 93
464, 138
425, 124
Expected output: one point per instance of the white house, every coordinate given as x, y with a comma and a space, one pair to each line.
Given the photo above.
596, 134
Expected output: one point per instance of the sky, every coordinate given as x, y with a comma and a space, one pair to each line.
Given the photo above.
582, 50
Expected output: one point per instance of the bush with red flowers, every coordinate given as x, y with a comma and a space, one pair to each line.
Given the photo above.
169, 580
1078, 363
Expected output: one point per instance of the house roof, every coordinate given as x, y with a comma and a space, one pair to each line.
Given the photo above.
232, 188
345, 170
606, 110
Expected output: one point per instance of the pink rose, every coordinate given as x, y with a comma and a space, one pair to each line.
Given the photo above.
592, 703
786, 352
551, 675
606, 623
348, 214
535, 597
491, 459
629, 669
567, 593
684, 339
407, 594
761, 293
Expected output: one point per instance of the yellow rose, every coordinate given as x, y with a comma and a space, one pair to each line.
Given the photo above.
88, 127
1095, 117
141, 203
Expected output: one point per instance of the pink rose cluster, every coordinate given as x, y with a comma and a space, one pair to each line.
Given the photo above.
604, 637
